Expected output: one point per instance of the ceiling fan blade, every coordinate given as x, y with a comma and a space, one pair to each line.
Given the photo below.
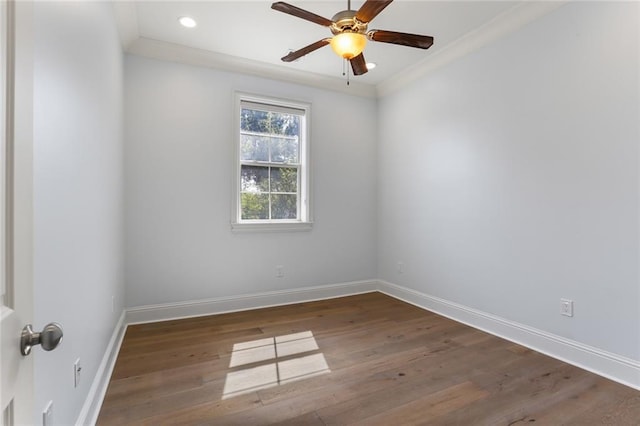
292, 56
358, 65
411, 40
370, 9
281, 6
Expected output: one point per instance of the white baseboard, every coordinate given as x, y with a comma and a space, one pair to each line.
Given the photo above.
93, 402
220, 305
615, 367
612, 366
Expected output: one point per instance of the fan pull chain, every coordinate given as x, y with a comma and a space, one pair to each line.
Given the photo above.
346, 62
345, 69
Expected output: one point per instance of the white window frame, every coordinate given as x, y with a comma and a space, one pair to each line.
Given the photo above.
304, 221
4, 135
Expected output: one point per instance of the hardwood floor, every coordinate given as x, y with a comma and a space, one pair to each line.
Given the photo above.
362, 360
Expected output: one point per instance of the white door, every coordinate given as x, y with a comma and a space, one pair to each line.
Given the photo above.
16, 216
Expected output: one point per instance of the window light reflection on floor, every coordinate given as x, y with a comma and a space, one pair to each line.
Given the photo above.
264, 363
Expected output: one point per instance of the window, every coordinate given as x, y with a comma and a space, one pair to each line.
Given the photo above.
271, 177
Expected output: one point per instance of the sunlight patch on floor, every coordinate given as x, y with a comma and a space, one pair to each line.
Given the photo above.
264, 363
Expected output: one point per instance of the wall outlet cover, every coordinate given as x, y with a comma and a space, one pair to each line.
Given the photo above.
566, 307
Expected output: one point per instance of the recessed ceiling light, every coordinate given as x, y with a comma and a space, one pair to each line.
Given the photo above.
187, 22
371, 65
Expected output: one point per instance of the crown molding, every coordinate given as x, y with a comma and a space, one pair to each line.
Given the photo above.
204, 58
505, 23
126, 16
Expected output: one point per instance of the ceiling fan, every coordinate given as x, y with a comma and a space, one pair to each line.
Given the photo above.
350, 33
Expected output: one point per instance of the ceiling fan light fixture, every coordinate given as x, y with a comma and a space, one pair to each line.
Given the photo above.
348, 44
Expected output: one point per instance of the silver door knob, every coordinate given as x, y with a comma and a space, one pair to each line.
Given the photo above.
49, 338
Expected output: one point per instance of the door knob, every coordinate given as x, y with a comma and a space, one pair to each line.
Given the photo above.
49, 338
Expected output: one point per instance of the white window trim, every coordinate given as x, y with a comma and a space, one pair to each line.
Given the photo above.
306, 205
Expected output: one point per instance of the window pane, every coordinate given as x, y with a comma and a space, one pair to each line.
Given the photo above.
254, 147
284, 206
284, 179
284, 150
288, 124
254, 121
254, 206
255, 179
273, 123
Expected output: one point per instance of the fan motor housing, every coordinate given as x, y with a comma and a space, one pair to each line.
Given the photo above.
346, 21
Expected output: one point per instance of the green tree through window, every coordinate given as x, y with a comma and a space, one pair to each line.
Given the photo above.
271, 162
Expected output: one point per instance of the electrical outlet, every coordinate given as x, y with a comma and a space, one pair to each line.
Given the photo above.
566, 307
400, 267
279, 271
77, 368
47, 415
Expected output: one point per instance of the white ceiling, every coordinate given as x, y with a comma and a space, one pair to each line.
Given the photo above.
253, 35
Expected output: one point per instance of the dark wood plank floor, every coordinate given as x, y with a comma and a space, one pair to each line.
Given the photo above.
366, 360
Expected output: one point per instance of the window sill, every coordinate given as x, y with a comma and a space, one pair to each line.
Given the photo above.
271, 227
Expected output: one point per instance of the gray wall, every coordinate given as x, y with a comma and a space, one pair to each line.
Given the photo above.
178, 172
503, 182
509, 178
78, 219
